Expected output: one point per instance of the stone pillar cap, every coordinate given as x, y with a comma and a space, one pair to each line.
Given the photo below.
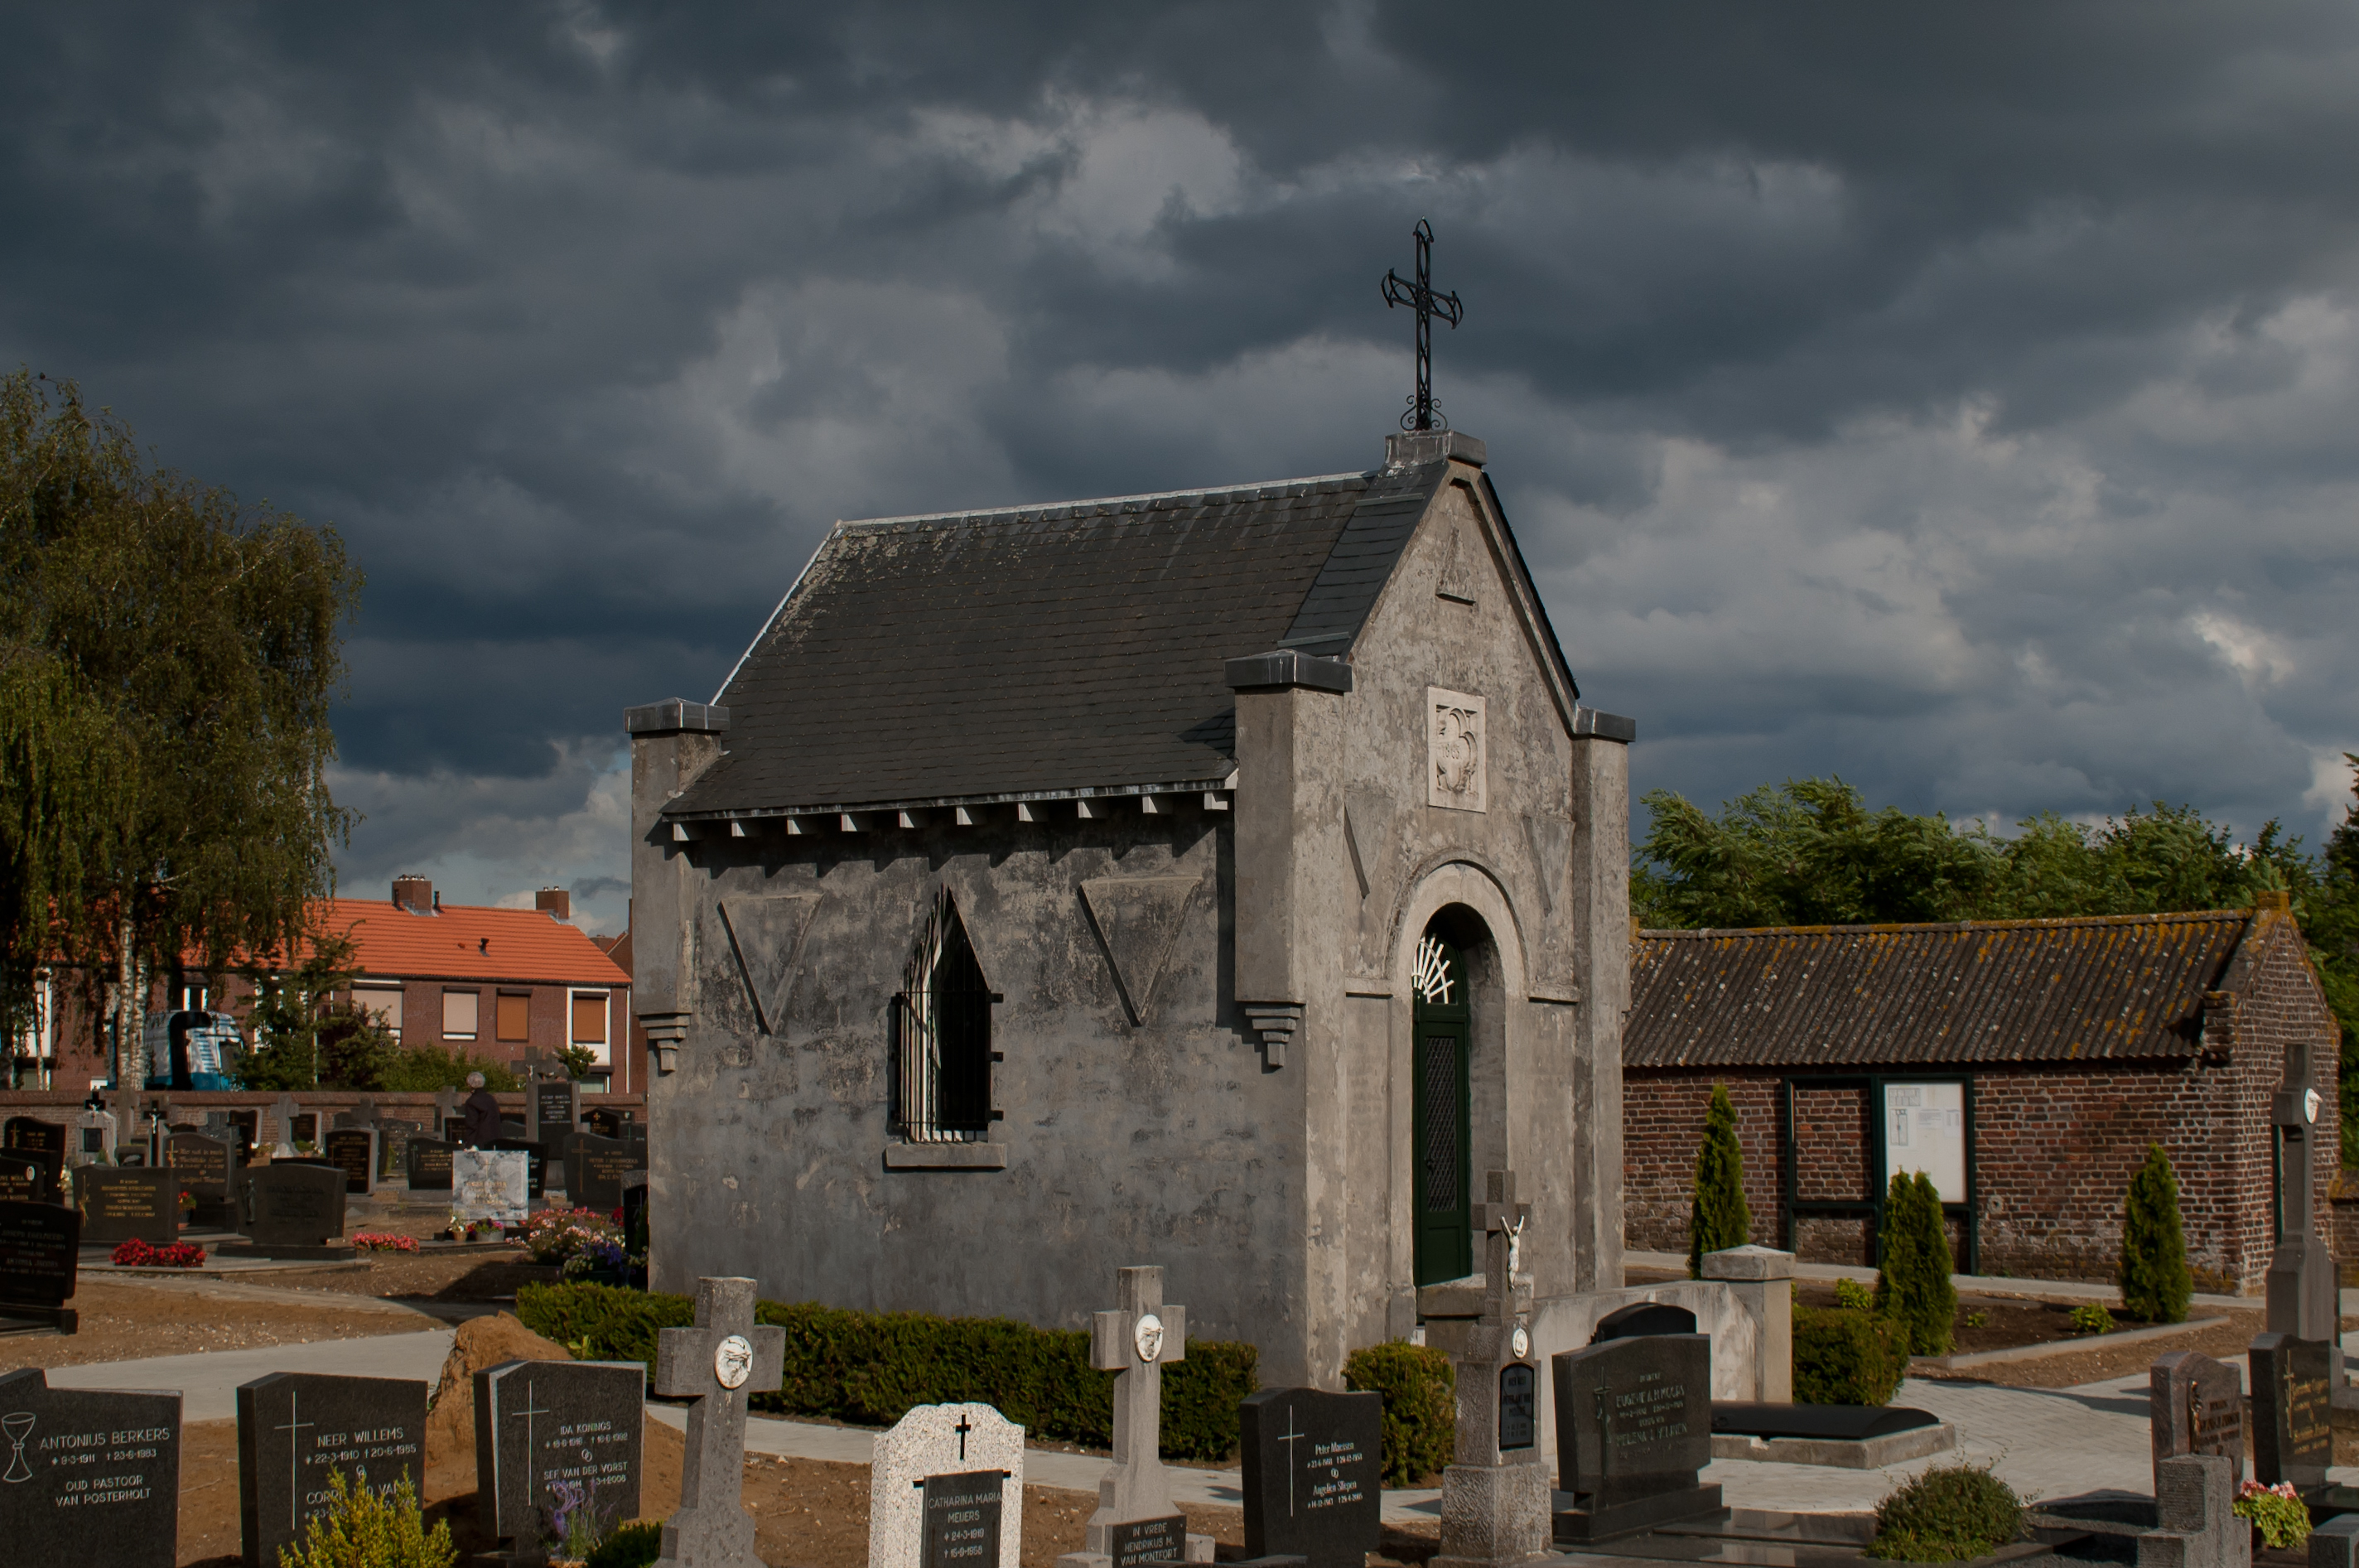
1749, 1263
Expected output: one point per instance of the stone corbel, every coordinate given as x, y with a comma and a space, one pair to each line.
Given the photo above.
1276, 1023
665, 1033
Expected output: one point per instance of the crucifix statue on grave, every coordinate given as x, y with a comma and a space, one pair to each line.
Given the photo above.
1135, 1341
1495, 1496
721, 1364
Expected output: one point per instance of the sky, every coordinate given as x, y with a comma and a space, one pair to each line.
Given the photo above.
1958, 399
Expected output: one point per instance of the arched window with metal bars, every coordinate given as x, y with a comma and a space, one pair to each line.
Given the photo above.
942, 1028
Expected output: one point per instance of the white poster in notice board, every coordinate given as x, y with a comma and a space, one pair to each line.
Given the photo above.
1925, 1129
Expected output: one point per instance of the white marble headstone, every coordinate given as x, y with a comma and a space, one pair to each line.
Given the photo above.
491, 1184
929, 1440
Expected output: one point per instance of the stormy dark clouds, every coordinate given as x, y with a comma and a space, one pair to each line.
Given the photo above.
1959, 399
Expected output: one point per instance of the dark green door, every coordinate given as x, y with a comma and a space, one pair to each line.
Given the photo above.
1445, 1230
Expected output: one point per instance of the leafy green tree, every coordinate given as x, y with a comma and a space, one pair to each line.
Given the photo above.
2155, 1282
1717, 1216
578, 1061
1912, 1278
200, 640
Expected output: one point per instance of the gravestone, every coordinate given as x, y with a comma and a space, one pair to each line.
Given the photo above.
2197, 1406
490, 1184
352, 1150
558, 1442
2196, 1525
119, 1204
635, 1213
446, 1111
1494, 1495
2292, 1440
32, 1132
1313, 1467
392, 1138
721, 1364
89, 1477
1643, 1318
1633, 1427
362, 1115
283, 1112
428, 1168
291, 1210
206, 1167
31, 1175
537, 1166
294, 1428
39, 1247
595, 1166
604, 1120
1137, 1520
552, 1107
93, 1137
946, 1490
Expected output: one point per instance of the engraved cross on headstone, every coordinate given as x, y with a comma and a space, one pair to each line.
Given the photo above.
1135, 1341
721, 1363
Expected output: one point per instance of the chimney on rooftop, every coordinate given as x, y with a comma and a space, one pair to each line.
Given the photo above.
413, 892
554, 902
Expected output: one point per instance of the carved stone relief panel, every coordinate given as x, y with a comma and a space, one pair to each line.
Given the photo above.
1456, 769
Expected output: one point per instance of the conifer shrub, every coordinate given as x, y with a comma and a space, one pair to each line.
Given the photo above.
1947, 1515
1420, 1390
2154, 1278
633, 1546
1717, 1216
361, 1529
1912, 1280
1845, 1358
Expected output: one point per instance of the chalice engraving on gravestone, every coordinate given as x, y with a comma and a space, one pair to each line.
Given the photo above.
92, 1476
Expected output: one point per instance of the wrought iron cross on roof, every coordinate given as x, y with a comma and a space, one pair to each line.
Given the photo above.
1423, 412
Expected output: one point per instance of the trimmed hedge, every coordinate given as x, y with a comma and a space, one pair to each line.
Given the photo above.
1420, 1390
1844, 1357
872, 1367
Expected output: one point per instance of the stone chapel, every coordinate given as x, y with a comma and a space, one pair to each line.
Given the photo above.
1223, 879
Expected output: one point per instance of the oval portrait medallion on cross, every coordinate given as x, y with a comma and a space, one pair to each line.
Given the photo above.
1148, 1337
733, 1362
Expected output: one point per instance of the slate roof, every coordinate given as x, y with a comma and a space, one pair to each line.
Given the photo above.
2069, 990
1067, 648
467, 942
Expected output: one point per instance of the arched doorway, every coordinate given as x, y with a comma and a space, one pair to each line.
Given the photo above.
1440, 1091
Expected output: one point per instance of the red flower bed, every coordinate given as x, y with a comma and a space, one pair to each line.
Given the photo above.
383, 1241
138, 1254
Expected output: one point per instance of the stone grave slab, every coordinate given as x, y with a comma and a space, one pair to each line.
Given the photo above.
552, 1110
393, 1148
2197, 1407
33, 1132
1641, 1318
1850, 1437
1313, 1466
352, 1150
720, 1364
93, 1137
536, 1163
120, 1204
557, 1443
428, 1167
40, 1250
603, 1120
490, 1184
31, 1175
946, 1490
595, 1168
294, 1428
206, 1167
2292, 1440
88, 1476
291, 1210
1633, 1427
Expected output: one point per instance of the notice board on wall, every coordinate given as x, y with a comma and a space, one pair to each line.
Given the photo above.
1925, 1130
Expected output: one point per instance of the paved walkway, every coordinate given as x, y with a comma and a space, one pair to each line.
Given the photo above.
1984, 1284
208, 1379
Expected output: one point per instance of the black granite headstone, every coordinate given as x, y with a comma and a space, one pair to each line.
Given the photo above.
1138, 1541
1520, 1406
2292, 1437
1643, 1318
1313, 1467
556, 1437
2197, 1406
635, 1212
1633, 1427
87, 1475
121, 1204
295, 1428
39, 1246
1825, 1423
289, 1209
595, 1168
203, 1164
536, 1164
604, 1120
430, 1165
962, 1519
352, 1150
32, 1132
393, 1148
554, 1106
31, 1175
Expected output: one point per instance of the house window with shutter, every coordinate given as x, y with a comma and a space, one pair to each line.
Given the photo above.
942, 1049
459, 1014
515, 1018
588, 1017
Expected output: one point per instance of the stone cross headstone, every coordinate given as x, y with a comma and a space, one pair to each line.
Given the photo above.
558, 1452
1136, 1519
31, 1175
119, 1204
287, 1210
446, 1111
946, 1490
352, 1150
294, 1428
1313, 1466
283, 1114
1494, 1495
490, 1184
428, 1167
363, 1113
39, 1247
2293, 1438
1633, 1425
2194, 1499
88, 1476
2302, 1282
2197, 1406
721, 1364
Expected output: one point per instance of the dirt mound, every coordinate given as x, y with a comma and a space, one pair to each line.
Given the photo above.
481, 1344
